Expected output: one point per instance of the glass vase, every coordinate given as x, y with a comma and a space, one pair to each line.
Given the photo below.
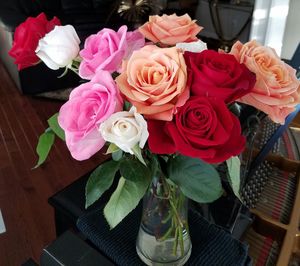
163, 237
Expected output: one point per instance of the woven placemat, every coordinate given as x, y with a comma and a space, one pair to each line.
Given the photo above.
211, 244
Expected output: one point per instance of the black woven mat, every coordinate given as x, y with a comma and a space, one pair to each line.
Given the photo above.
211, 245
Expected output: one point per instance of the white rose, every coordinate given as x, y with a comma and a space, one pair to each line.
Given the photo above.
125, 130
195, 47
59, 47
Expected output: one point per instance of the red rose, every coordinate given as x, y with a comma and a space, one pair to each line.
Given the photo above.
26, 38
203, 128
218, 75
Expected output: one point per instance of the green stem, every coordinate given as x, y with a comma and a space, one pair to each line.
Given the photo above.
176, 213
177, 225
176, 241
181, 241
74, 70
167, 234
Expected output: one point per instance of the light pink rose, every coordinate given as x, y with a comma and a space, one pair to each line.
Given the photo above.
277, 90
88, 106
155, 81
106, 50
170, 29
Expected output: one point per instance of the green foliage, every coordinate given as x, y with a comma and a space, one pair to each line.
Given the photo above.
138, 153
154, 166
134, 170
197, 180
117, 155
64, 73
46, 140
45, 143
234, 165
127, 106
124, 199
99, 181
112, 148
53, 124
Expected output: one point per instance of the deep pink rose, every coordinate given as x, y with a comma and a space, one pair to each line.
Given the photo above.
26, 39
218, 75
106, 50
88, 106
203, 128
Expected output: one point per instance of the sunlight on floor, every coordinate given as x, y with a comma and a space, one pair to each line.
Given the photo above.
2, 225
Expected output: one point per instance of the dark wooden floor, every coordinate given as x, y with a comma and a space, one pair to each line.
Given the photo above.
24, 192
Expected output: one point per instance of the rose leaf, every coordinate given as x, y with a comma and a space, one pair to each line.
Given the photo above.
99, 181
234, 165
43, 148
124, 199
112, 148
138, 153
117, 155
133, 170
53, 124
196, 179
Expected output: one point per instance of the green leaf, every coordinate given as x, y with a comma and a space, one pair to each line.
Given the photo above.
127, 106
99, 181
133, 170
53, 123
43, 148
117, 155
154, 165
138, 153
124, 199
112, 148
197, 180
63, 74
234, 165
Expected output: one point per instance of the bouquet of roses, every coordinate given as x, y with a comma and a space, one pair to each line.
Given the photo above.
166, 113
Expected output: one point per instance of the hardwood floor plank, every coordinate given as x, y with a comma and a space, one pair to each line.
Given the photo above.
24, 192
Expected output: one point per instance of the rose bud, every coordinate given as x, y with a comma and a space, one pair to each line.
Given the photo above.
59, 47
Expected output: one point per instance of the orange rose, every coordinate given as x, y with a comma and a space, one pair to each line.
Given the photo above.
154, 81
171, 29
277, 90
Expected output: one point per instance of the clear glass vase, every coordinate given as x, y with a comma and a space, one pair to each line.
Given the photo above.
163, 237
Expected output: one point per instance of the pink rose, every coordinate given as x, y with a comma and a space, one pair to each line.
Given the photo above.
106, 50
171, 29
88, 106
154, 81
277, 90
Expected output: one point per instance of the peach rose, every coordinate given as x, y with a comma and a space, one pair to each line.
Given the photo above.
171, 29
277, 90
154, 81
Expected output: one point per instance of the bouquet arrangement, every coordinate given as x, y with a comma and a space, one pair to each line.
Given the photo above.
161, 107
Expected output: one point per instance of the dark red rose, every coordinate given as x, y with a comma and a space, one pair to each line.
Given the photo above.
26, 38
218, 75
203, 128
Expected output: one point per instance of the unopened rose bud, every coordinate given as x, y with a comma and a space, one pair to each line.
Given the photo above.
59, 47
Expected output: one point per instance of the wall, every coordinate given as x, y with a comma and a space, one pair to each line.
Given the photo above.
292, 31
268, 22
